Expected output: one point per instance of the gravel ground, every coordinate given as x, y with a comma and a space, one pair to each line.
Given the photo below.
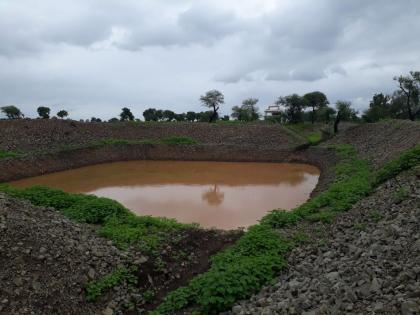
46, 260
366, 262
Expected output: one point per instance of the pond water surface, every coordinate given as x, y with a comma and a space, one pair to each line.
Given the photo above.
214, 194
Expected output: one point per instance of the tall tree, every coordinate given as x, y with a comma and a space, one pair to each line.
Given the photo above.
410, 86
248, 111
44, 112
12, 112
345, 112
62, 113
191, 116
315, 100
168, 115
294, 107
379, 108
126, 114
213, 99
150, 114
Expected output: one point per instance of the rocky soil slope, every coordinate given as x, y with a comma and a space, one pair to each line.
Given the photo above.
366, 262
46, 261
380, 142
44, 135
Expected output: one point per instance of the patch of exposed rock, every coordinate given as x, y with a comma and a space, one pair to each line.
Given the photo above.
46, 261
366, 262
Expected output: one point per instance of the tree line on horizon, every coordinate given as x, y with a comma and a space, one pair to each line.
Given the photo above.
313, 107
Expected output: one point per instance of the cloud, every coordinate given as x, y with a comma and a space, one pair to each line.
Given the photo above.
90, 54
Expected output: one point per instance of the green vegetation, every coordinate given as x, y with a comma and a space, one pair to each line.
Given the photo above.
5, 154
406, 161
173, 140
96, 288
114, 220
234, 274
401, 194
315, 138
353, 182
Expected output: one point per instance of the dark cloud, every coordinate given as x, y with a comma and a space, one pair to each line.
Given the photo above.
92, 54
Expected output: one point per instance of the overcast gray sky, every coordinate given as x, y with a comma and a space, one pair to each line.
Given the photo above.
92, 57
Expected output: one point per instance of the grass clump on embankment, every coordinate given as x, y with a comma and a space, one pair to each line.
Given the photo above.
258, 256
115, 221
96, 288
172, 140
6, 154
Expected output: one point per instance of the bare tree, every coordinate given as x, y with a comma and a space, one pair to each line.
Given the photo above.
213, 99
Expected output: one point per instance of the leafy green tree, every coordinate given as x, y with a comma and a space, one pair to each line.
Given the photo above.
62, 113
11, 112
345, 112
126, 115
248, 111
410, 87
326, 114
225, 118
315, 100
168, 115
180, 117
113, 120
294, 107
150, 114
94, 119
159, 114
213, 99
191, 116
206, 116
44, 112
379, 108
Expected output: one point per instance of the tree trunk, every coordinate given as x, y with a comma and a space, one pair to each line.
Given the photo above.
213, 116
410, 113
336, 122
313, 114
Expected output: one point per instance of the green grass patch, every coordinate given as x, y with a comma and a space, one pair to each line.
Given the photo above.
9, 154
234, 274
115, 221
315, 138
407, 160
96, 288
173, 140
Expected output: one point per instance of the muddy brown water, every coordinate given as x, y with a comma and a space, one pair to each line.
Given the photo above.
225, 195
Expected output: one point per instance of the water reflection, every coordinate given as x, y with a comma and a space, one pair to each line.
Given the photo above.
213, 196
224, 195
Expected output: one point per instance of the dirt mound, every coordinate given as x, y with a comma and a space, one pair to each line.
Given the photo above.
381, 142
46, 261
38, 134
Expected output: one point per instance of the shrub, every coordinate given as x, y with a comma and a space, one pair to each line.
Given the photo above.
96, 288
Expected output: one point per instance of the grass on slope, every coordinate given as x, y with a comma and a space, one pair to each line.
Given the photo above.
6, 154
115, 221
